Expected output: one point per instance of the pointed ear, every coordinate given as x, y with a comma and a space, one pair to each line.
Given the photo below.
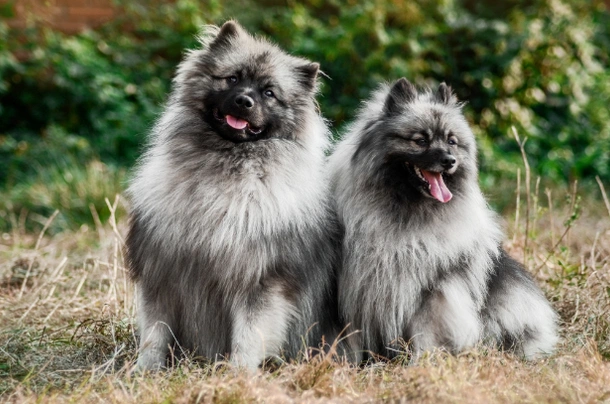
307, 75
228, 31
444, 95
402, 92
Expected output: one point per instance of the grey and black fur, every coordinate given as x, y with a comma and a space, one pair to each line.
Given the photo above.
231, 241
423, 261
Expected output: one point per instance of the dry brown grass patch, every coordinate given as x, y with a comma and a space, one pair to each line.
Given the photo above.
67, 330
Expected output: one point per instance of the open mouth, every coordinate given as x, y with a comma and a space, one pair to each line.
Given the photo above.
238, 123
434, 183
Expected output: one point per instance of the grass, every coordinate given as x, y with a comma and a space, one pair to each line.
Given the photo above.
77, 189
67, 326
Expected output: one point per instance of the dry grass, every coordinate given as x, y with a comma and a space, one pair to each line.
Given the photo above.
67, 309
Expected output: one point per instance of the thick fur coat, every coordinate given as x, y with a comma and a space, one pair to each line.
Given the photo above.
231, 242
422, 255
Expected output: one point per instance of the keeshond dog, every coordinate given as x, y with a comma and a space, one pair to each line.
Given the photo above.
422, 255
232, 241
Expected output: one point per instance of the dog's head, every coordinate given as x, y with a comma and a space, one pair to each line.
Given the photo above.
422, 143
246, 88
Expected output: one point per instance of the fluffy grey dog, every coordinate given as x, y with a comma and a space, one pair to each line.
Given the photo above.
231, 240
423, 261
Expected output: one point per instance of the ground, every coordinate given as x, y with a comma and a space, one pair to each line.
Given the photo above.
67, 327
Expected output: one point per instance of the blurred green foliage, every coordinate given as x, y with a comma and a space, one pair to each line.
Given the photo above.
74, 103
540, 66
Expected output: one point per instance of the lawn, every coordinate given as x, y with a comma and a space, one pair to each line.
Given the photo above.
67, 324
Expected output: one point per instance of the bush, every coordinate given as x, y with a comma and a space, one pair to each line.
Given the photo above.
540, 66
103, 87
70, 105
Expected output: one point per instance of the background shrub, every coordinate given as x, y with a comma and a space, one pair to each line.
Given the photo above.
85, 102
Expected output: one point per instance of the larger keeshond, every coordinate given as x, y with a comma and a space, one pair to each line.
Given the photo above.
231, 240
423, 261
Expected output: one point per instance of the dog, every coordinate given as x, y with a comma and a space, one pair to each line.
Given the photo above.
422, 255
232, 243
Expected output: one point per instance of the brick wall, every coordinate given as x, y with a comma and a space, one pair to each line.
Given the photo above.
69, 16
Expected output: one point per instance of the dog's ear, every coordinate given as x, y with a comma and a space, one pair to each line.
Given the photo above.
307, 75
402, 92
445, 95
229, 30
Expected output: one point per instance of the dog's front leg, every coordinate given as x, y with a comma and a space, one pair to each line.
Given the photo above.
448, 319
155, 335
260, 328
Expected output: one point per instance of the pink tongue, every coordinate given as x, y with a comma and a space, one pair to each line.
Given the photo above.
236, 123
438, 189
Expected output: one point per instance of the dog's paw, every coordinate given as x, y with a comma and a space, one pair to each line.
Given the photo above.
151, 360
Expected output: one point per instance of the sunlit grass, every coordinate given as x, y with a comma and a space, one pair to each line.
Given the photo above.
78, 190
67, 327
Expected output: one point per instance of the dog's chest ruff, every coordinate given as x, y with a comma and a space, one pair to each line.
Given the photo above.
391, 264
237, 204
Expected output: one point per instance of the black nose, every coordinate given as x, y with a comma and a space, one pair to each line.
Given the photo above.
448, 161
244, 101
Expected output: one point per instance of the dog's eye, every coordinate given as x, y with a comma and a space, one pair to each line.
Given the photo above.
232, 79
420, 141
269, 93
452, 141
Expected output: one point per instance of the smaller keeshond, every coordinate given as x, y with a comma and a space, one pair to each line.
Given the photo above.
422, 255
232, 243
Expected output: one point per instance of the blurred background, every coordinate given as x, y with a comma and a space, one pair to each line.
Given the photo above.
82, 81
